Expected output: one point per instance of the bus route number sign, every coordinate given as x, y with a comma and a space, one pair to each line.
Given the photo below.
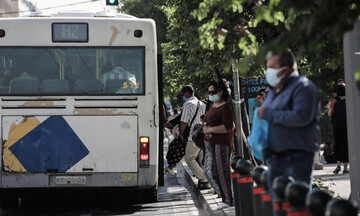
70, 32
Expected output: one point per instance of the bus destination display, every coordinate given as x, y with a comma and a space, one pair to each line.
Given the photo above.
70, 32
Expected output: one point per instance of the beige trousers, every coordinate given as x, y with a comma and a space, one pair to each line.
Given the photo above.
194, 158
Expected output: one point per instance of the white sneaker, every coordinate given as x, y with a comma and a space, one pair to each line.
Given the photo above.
222, 206
212, 191
170, 172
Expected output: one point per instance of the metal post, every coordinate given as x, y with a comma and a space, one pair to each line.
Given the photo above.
161, 128
239, 142
352, 64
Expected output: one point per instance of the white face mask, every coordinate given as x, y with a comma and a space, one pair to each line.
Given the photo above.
271, 76
214, 98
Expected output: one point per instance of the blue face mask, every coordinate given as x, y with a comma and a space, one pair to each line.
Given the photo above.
185, 98
214, 98
271, 76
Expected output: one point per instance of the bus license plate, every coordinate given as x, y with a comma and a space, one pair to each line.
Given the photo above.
63, 180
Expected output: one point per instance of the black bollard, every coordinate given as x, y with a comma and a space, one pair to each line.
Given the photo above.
244, 185
337, 207
234, 177
280, 204
295, 194
316, 202
266, 202
258, 189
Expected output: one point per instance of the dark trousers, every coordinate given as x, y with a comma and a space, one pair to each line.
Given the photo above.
222, 173
297, 164
341, 144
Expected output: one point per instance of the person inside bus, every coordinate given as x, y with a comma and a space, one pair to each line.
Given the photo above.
127, 80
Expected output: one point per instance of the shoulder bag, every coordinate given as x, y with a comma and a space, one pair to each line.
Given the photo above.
186, 132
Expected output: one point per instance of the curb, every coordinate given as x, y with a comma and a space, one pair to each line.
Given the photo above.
208, 201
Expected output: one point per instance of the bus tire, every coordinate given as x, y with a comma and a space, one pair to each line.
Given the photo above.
8, 202
150, 195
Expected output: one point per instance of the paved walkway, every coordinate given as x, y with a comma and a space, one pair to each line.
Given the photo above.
339, 184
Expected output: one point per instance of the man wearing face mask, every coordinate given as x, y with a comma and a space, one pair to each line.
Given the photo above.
292, 107
193, 109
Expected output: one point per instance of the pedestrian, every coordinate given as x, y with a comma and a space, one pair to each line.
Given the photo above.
218, 130
337, 111
193, 109
292, 108
261, 94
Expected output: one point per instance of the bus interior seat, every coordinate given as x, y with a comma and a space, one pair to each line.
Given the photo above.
55, 86
24, 86
117, 86
88, 86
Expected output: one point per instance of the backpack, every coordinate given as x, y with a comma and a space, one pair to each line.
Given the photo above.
338, 118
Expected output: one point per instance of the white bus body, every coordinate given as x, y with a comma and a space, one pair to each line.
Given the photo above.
79, 103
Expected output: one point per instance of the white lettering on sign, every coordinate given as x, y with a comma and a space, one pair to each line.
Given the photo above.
70, 31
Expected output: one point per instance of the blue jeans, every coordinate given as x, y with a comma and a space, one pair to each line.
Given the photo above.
298, 165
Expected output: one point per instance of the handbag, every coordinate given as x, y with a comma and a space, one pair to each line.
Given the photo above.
198, 136
176, 151
259, 137
186, 132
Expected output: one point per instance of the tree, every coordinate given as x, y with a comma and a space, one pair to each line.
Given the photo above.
204, 34
313, 29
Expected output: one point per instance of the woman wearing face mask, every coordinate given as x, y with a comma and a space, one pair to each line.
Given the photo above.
218, 128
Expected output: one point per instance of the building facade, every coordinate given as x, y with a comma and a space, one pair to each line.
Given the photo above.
9, 8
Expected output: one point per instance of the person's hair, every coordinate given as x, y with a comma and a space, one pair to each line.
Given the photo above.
187, 88
340, 81
340, 90
287, 59
220, 86
179, 99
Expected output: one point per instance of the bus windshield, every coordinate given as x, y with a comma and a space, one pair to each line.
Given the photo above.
37, 71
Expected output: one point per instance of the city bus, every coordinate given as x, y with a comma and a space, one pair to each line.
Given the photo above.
78, 105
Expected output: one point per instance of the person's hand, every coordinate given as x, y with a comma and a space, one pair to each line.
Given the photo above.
261, 112
168, 125
206, 129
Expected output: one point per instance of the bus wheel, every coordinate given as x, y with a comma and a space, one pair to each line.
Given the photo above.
8, 202
150, 195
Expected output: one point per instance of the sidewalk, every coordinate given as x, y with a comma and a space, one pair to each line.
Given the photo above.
339, 184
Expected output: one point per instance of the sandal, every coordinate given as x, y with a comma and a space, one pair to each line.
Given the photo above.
204, 186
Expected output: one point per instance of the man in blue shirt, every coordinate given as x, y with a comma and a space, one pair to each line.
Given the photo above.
292, 108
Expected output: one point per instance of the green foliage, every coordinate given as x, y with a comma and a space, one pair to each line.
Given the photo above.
197, 36
318, 184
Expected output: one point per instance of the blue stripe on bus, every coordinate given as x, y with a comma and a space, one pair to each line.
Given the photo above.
51, 146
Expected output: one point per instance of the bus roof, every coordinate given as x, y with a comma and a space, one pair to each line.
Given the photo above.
79, 14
